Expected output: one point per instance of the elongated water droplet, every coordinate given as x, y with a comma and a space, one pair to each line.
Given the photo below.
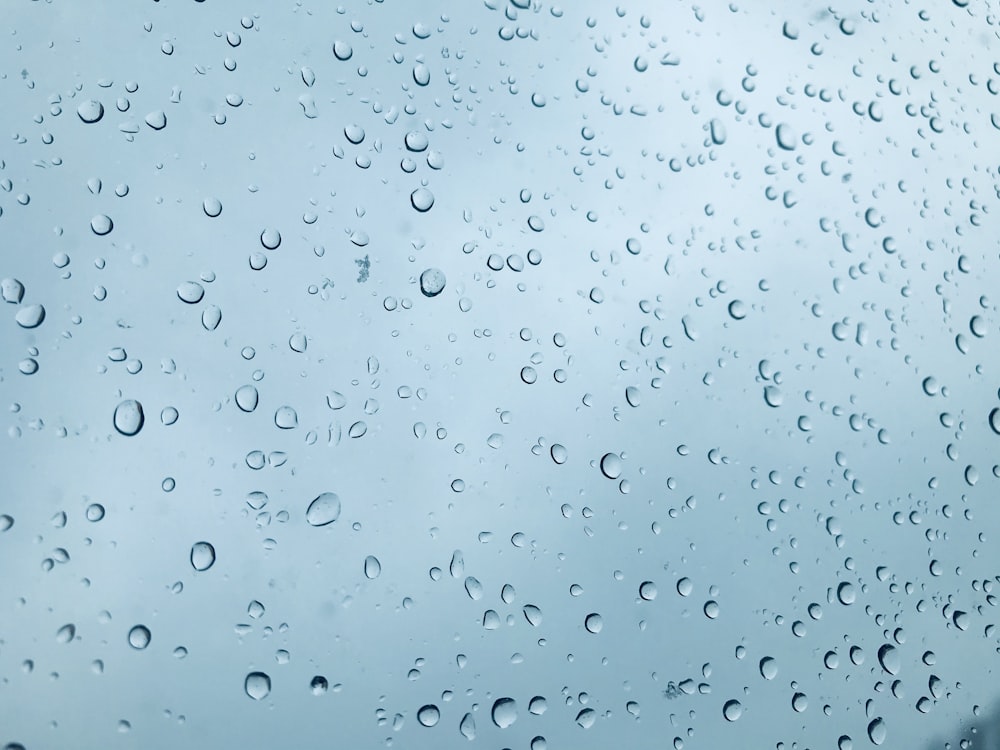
324, 510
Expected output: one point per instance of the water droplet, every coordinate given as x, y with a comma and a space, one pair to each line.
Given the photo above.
342, 50
211, 317
157, 119
473, 588
737, 310
270, 238
633, 396
888, 657
422, 199
772, 396
711, 609
94, 513
594, 623
432, 282
428, 715
128, 418
586, 718
139, 637
247, 398
421, 74
90, 111
685, 587
202, 556
318, 685
191, 292
66, 633
647, 591
611, 465
532, 614
995, 420
212, 207
504, 712
467, 727
529, 375
877, 731
373, 568
559, 453
416, 141
457, 565
12, 291
325, 509
285, 418
257, 685
845, 593
30, 316
336, 400
732, 710
768, 668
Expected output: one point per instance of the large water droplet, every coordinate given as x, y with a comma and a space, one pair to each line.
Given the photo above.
342, 50
473, 588
888, 657
422, 199
432, 282
30, 316
202, 556
191, 292
212, 207
533, 615
101, 225
647, 591
373, 568
877, 731
90, 111
247, 398
428, 715
139, 637
611, 465
128, 418
257, 685
732, 710
467, 727
768, 668
12, 291
504, 712
325, 509
586, 718
594, 623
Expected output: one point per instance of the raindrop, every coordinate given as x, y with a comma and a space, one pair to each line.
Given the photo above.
247, 398
586, 718
428, 715
538, 705
532, 614
421, 74
559, 453
128, 418
772, 396
373, 568
504, 712
737, 310
342, 50
877, 731
94, 512
594, 623
416, 141
785, 136
139, 637
211, 317
732, 710
157, 119
257, 685
12, 291
994, 420
632, 396
191, 292
845, 593
422, 199
212, 207
467, 727
30, 316
457, 565
685, 587
611, 465
318, 685
432, 282
202, 556
66, 633
285, 418
270, 238
90, 111
768, 668
325, 509
101, 224
647, 591
473, 588
888, 657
